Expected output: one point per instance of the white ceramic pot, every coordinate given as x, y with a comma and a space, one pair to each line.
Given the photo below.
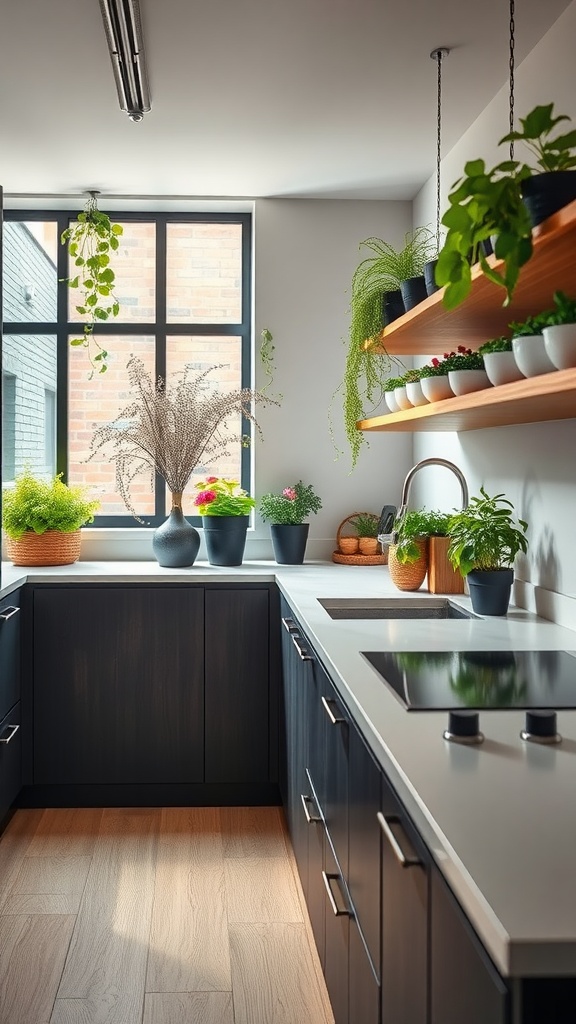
501, 367
560, 344
531, 356
402, 398
415, 393
463, 382
436, 388
390, 399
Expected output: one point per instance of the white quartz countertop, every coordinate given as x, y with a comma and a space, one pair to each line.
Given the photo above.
498, 818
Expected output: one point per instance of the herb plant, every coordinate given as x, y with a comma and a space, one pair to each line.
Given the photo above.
484, 535
529, 327
564, 311
366, 524
40, 505
392, 383
291, 507
415, 525
90, 242
220, 497
501, 344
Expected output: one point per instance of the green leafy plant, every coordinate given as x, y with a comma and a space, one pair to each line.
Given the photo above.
393, 382
433, 369
293, 506
365, 524
462, 359
532, 325
501, 344
39, 505
411, 376
220, 497
413, 526
484, 535
488, 204
90, 243
564, 311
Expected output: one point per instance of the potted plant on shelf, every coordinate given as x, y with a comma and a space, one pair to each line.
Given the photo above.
389, 387
499, 361
489, 204
412, 383
225, 509
286, 513
484, 541
434, 381
465, 370
528, 346
42, 520
560, 332
169, 429
91, 243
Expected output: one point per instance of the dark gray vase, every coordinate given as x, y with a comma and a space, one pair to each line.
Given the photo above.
176, 542
225, 538
490, 590
289, 542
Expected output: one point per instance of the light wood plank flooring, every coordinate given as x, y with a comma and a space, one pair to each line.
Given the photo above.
154, 916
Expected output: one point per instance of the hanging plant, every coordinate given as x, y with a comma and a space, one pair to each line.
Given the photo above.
90, 243
267, 359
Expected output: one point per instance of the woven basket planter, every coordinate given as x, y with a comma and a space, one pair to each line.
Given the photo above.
351, 554
49, 548
408, 577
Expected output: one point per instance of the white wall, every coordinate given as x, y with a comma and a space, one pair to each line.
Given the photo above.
305, 254
535, 464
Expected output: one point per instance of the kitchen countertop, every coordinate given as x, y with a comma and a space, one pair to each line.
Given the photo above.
498, 818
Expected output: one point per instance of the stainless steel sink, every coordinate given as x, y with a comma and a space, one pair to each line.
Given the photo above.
393, 608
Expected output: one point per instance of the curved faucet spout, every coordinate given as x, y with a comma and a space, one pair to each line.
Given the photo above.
420, 465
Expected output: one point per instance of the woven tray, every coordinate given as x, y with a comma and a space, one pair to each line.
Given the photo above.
356, 559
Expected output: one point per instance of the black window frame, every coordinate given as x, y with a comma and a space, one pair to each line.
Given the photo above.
160, 329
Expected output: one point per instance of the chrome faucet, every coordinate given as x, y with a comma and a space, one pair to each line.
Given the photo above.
410, 476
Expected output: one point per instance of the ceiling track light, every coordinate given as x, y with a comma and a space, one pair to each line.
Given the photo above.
123, 29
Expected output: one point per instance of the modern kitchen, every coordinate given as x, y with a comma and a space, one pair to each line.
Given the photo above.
251, 791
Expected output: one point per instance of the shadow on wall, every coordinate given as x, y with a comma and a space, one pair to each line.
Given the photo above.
542, 565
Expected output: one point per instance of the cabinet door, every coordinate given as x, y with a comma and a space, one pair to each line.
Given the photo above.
364, 843
9, 652
464, 984
337, 939
10, 760
295, 670
364, 994
333, 782
404, 919
118, 685
237, 686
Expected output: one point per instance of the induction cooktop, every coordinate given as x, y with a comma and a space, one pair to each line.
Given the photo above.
448, 680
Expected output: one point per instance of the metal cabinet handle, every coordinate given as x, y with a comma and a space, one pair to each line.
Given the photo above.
8, 613
289, 625
14, 730
328, 879
407, 856
310, 818
303, 654
330, 713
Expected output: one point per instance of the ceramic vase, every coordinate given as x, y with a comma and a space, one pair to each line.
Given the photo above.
176, 542
436, 389
560, 344
464, 382
501, 367
531, 356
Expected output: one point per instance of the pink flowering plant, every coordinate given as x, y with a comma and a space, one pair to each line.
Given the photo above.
292, 506
219, 497
462, 359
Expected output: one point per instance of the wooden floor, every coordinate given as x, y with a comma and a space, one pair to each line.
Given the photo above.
154, 916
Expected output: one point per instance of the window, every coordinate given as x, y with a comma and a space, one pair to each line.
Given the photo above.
183, 283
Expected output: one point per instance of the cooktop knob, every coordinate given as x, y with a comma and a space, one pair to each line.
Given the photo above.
540, 727
463, 727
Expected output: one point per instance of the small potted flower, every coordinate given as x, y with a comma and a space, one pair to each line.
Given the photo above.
528, 346
434, 381
560, 332
286, 513
413, 386
499, 361
225, 509
466, 371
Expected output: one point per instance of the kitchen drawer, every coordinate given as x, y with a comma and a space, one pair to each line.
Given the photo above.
10, 760
9, 652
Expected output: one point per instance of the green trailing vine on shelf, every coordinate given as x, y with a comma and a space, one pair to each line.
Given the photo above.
90, 243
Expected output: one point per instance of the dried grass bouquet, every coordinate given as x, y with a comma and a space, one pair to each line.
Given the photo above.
170, 429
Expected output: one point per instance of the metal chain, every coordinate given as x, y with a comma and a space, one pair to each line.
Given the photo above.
511, 66
437, 55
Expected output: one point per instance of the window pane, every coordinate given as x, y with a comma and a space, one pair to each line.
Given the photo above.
28, 371
200, 353
204, 273
97, 401
134, 264
30, 277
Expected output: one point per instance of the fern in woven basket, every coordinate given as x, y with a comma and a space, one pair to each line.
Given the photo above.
35, 505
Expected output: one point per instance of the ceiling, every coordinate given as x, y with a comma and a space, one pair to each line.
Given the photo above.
300, 98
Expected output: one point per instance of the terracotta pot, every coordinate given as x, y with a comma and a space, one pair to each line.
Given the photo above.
409, 577
348, 545
368, 546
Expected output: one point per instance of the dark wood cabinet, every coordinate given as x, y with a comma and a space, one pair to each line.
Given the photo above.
337, 941
9, 652
10, 761
364, 798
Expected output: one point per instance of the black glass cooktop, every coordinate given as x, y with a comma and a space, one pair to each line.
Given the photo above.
444, 680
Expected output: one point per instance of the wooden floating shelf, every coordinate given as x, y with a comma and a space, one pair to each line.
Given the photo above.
430, 329
551, 396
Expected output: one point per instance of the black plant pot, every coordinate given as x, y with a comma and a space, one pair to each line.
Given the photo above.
392, 306
546, 193
225, 538
289, 542
413, 291
175, 542
430, 277
490, 590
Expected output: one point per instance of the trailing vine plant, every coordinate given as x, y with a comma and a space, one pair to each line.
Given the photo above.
90, 243
267, 358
